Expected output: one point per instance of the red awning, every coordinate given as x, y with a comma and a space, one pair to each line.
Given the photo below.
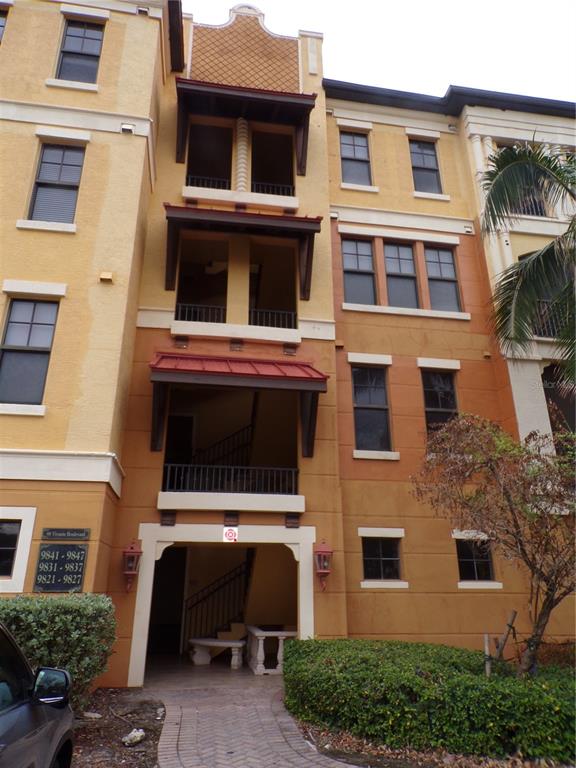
168, 368
236, 372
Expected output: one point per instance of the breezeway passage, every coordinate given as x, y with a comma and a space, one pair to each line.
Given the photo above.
228, 719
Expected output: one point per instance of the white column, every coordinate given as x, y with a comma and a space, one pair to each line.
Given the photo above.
478, 164
488, 147
242, 155
506, 254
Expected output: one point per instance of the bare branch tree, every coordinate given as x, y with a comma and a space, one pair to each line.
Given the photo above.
520, 495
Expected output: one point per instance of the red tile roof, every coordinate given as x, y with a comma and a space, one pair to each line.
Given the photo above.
226, 367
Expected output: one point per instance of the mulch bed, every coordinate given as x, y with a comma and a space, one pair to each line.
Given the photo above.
98, 741
360, 752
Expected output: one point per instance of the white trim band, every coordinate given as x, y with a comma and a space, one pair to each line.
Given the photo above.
384, 584
378, 309
368, 359
240, 198
21, 409
376, 217
62, 466
480, 585
67, 135
359, 187
46, 226
431, 196
88, 14
32, 288
237, 502
398, 234
232, 331
422, 133
469, 535
357, 125
438, 363
73, 85
382, 533
377, 455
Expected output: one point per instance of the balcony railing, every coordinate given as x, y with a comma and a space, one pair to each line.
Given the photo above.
273, 318
531, 206
549, 320
229, 479
273, 189
200, 313
208, 182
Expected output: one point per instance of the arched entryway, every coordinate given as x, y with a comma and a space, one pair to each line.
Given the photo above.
157, 539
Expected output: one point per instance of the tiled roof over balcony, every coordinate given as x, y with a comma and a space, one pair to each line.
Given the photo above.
242, 52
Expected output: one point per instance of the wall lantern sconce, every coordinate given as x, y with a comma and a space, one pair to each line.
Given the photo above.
130, 563
323, 562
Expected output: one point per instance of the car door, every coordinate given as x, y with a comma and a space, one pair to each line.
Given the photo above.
24, 727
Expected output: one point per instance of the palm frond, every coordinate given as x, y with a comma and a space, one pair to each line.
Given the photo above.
547, 273
521, 173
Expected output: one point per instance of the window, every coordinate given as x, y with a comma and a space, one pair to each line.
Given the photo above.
400, 276
442, 280
25, 351
370, 409
358, 264
474, 560
381, 558
9, 532
3, 17
355, 158
425, 166
80, 52
439, 398
56, 188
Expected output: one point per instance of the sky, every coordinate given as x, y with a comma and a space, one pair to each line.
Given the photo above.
515, 46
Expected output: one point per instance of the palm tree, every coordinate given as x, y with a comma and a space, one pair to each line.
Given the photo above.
526, 178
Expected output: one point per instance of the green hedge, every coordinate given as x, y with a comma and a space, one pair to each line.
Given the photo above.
71, 631
426, 697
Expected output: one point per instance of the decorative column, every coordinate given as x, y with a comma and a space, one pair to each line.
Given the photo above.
478, 164
506, 254
242, 155
488, 147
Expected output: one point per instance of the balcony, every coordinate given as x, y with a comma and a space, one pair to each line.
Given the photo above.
199, 313
207, 182
266, 188
532, 205
549, 321
221, 418
229, 479
273, 318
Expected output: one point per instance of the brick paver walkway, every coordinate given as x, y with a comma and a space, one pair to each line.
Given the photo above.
216, 718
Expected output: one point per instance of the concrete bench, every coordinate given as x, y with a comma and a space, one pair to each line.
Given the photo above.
200, 654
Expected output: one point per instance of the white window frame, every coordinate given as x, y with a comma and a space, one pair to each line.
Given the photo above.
476, 536
382, 533
26, 516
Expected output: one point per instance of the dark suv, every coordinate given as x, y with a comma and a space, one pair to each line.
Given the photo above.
35, 718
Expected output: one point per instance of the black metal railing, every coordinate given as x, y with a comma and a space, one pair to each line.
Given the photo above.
213, 478
233, 449
210, 182
549, 321
273, 318
200, 313
531, 205
266, 188
218, 604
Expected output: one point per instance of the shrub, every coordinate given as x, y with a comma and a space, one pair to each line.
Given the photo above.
426, 697
71, 631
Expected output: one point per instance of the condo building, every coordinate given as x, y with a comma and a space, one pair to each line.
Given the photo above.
235, 298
